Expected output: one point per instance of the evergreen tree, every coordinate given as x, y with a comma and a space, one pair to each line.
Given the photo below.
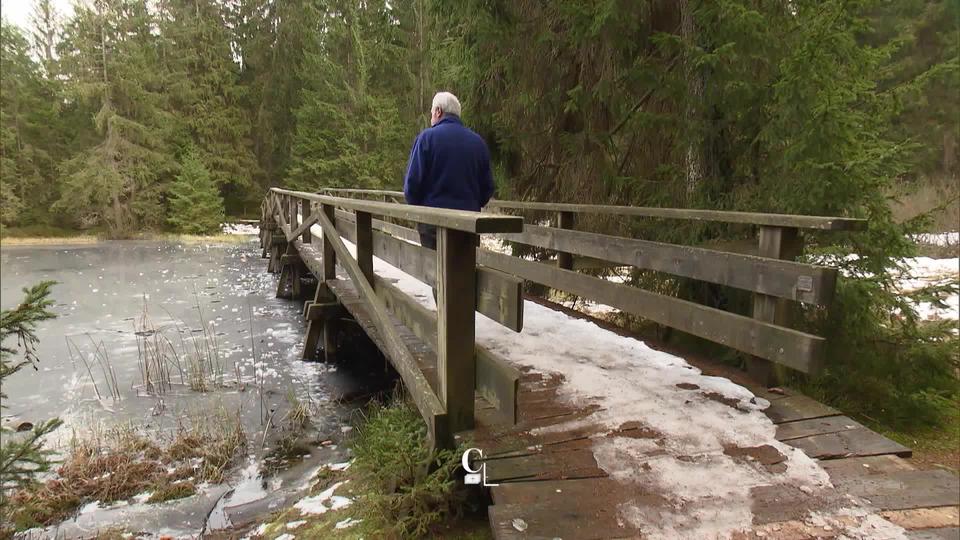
109, 54
28, 133
270, 40
22, 456
45, 33
195, 203
203, 93
350, 131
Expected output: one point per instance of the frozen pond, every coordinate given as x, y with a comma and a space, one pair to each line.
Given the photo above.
116, 299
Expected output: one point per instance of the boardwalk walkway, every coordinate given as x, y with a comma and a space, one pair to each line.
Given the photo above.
614, 439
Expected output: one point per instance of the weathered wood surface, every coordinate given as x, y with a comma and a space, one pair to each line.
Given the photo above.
940, 517
940, 533
565, 220
904, 489
425, 397
774, 243
721, 216
854, 442
798, 407
473, 222
496, 380
785, 279
791, 348
781, 220
815, 426
498, 296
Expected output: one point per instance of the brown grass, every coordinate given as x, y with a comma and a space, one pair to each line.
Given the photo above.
48, 241
126, 463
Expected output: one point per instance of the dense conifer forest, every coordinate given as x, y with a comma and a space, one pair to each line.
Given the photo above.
133, 115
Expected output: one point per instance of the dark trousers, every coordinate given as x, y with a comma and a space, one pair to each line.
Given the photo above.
428, 239
428, 235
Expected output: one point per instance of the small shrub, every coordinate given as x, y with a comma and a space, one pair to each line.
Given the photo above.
412, 487
196, 206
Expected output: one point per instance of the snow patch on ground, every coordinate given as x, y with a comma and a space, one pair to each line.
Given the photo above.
243, 229
325, 501
926, 272
918, 273
938, 239
347, 523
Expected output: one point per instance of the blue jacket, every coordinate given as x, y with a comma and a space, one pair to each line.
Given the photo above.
449, 167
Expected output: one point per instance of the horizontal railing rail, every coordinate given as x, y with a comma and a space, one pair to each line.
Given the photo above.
720, 216
496, 279
772, 274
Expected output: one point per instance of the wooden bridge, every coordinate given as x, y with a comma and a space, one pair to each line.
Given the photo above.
545, 440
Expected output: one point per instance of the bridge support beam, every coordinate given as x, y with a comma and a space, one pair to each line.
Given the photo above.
564, 259
320, 313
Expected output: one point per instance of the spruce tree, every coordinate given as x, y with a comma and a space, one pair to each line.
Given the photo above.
350, 131
203, 94
109, 55
29, 135
22, 456
195, 203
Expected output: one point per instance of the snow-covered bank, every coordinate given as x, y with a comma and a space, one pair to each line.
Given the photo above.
944, 239
921, 272
708, 491
243, 229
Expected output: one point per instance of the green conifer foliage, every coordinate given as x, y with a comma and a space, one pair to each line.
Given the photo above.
203, 94
28, 133
350, 131
22, 456
109, 53
195, 203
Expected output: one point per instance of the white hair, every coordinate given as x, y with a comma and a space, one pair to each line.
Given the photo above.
446, 102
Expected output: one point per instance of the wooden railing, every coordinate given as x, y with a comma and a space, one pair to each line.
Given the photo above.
773, 275
442, 382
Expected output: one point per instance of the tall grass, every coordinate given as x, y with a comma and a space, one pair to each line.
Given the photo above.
124, 461
192, 356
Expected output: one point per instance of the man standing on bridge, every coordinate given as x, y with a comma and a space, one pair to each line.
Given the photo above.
449, 166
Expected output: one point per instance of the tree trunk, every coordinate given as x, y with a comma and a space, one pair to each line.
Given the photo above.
694, 152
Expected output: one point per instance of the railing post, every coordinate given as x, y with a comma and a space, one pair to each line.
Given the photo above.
775, 243
292, 207
306, 208
329, 255
565, 221
329, 272
456, 294
364, 223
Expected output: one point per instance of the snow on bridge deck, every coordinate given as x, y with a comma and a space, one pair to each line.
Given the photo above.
618, 440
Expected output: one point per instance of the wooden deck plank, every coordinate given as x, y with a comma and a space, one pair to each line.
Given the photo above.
924, 518
942, 533
905, 489
571, 464
798, 407
849, 443
815, 426
556, 519
841, 469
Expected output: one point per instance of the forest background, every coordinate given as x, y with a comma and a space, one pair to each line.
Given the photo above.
133, 115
